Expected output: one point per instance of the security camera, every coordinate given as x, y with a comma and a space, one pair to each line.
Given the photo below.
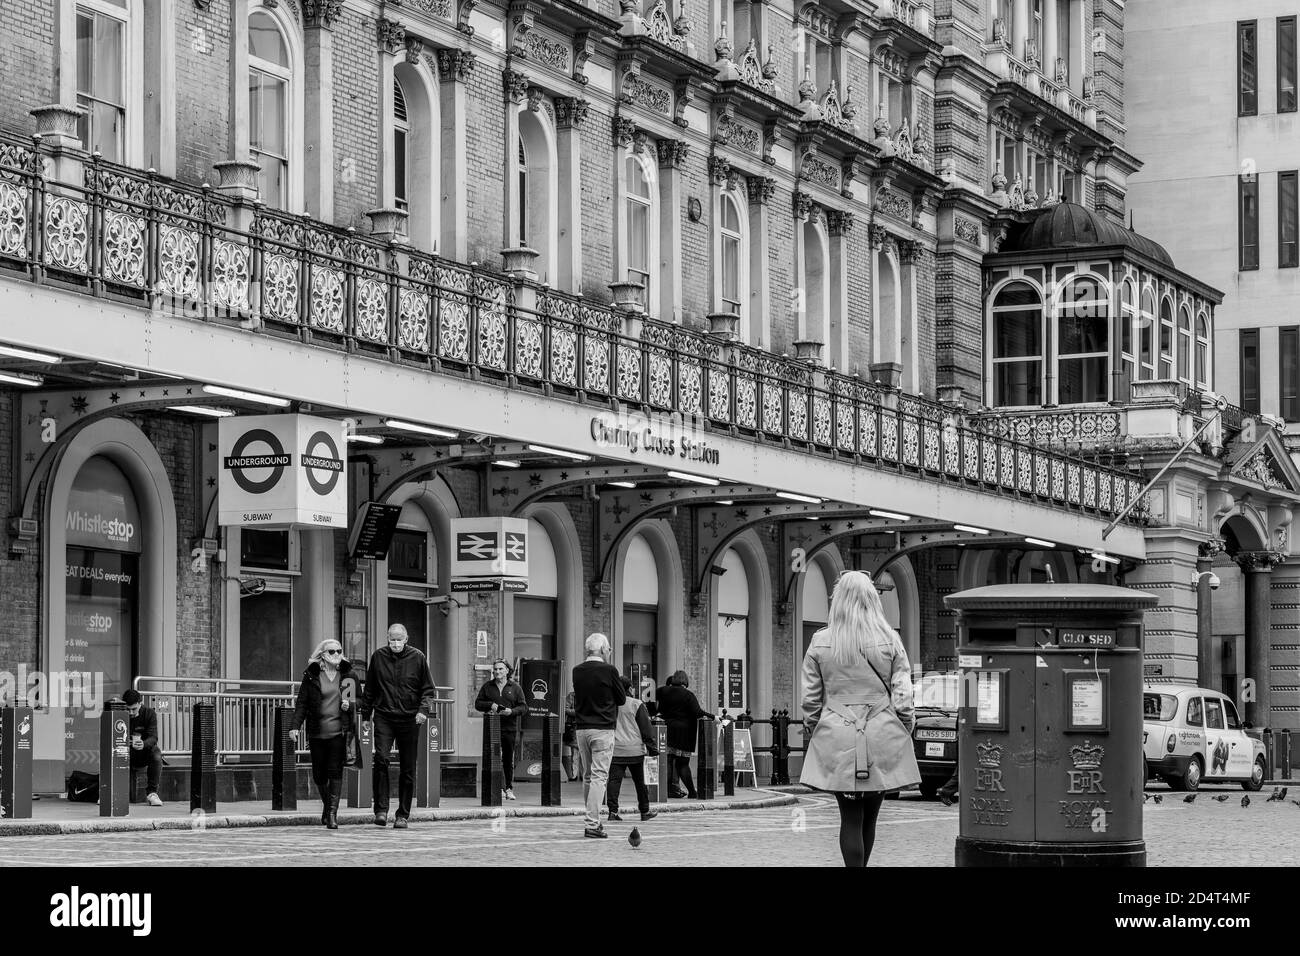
1213, 581
1210, 577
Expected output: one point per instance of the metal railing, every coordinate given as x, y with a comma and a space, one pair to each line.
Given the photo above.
245, 713
136, 236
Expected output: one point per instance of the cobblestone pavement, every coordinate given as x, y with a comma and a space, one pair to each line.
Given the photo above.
911, 832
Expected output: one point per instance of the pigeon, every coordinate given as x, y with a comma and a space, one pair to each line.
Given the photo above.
1146, 797
1245, 801
634, 838
1190, 798
1277, 796
1296, 802
1221, 797
1158, 797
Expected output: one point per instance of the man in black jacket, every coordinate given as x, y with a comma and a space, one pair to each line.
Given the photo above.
503, 696
144, 743
597, 696
399, 694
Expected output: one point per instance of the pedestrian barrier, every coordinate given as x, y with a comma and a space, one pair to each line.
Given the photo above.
203, 759
428, 767
284, 763
16, 735
551, 760
706, 759
492, 777
780, 748
114, 760
658, 770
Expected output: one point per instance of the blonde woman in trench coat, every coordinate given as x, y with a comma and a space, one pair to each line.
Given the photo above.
857, 704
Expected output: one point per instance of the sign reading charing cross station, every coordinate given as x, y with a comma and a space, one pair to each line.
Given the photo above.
667, 439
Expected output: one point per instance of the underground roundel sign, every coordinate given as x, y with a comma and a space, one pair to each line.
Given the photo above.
278, 470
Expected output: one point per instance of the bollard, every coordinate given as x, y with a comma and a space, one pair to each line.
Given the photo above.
114, 760
359, 785
657, 772
203, 759
16, 763
551, 760
780, 748
1284, 753
728, 759
490, 774
428, 767
706, 761
284, 763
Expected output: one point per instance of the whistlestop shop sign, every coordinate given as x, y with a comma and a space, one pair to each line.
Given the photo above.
282, 470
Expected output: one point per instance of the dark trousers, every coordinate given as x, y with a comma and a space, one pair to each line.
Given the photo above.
326, 759
403, 732
151, 758
507, 759
949, 789
636, 765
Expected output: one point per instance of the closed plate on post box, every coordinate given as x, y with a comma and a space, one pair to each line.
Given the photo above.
1091, 637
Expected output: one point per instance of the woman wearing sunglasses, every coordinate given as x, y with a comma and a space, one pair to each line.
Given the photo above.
325, 699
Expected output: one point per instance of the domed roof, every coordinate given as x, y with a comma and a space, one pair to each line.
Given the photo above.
1068, 225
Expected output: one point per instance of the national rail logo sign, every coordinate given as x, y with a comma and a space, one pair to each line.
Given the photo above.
279, 470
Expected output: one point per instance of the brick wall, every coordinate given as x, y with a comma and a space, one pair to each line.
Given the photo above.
202, 83
26, 62
357, 129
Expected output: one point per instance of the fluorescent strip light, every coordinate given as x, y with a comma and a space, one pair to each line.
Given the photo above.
806, 499
623, 484
14, 378
971, 528
559, 452
727, 503
1099, 556
1040, 541
12, 351
506, 463
422, 429
210, 410
698, 479
889, 514
246, 396
367, 439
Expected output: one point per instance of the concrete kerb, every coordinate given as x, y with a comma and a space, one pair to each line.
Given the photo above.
214, 821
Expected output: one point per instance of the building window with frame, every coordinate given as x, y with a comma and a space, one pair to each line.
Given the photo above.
640, 222
101, 79
1288, 256
1247, 222
1083, 342
1185, 345
268, 563
1146, 337
1035, 35
1128, 358
1247, 69
819, 62
1249, 346
732, 251
522, 236
269, 75
1289, 373
1017, 320
1166, 339
1202, 352
401, 148
1286, 65
1001, 21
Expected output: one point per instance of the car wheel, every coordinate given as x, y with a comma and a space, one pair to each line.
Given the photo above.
1256, 780
1192, 779
930, 789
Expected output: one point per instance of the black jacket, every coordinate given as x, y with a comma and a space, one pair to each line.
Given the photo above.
145, 724
680, 709
597, 695
307, 708
398, 686
511, 701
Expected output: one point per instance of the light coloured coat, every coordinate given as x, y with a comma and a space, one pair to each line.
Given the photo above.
861, 730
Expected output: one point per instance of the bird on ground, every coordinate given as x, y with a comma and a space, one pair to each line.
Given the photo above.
1245, 801
1158, 797
634, 838
1274, 796
1190, 798
1146, 797
1221, 797
1296, 802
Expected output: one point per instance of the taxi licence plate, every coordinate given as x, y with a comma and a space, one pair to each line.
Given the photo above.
934, 750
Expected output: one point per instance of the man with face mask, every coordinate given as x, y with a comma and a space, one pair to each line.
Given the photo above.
504, 697
399, 694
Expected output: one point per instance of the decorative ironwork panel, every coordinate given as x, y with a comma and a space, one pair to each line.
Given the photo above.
690, 388
1121, 495
413, 320
1072, 486
972, 446
493, 332
1058, 479
1134, 487
798, 404
1090, 488
123, 247
372, 310
1007, 455
280, 288
1026, 470
595, 363
178, 261
453, 313
990, 462
1041, 484
911, 440
326, 299
629, 371
930, 431
720, 396
528, 348
564, 356
66, 236
845, 417
13, 220
888, 435
661, 378
867, 431
746, 401
821, 420
952, 441
1104, 502
772, 407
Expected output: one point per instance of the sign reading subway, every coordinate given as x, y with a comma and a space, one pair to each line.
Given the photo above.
279, 470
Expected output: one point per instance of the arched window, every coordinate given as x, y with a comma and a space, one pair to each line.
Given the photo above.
816, 273
401, 148
269, 76
640, 592
1166, 339
1083, 342
1017, 332
1202, 351
1128, 358
1185, 345
522, 237
534, 221
732, 242
1146, 336
640, 215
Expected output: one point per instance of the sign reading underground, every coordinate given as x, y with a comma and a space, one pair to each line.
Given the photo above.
281, 470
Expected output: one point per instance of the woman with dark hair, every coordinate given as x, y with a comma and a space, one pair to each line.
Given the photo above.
680, 709
325, 699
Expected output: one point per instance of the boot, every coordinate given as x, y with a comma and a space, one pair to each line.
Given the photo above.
325, 803
336, 790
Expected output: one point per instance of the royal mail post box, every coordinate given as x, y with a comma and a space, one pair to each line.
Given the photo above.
1050, 725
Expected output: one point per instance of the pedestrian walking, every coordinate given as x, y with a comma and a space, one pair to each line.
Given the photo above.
569, 741
503, 697
681, 711
633, 740
325, 699
597, 695
857, 702
399, 694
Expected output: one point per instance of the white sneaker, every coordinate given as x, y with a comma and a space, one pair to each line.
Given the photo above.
510, 794
154, 800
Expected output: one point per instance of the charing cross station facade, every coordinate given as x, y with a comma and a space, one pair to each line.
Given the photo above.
714, 300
